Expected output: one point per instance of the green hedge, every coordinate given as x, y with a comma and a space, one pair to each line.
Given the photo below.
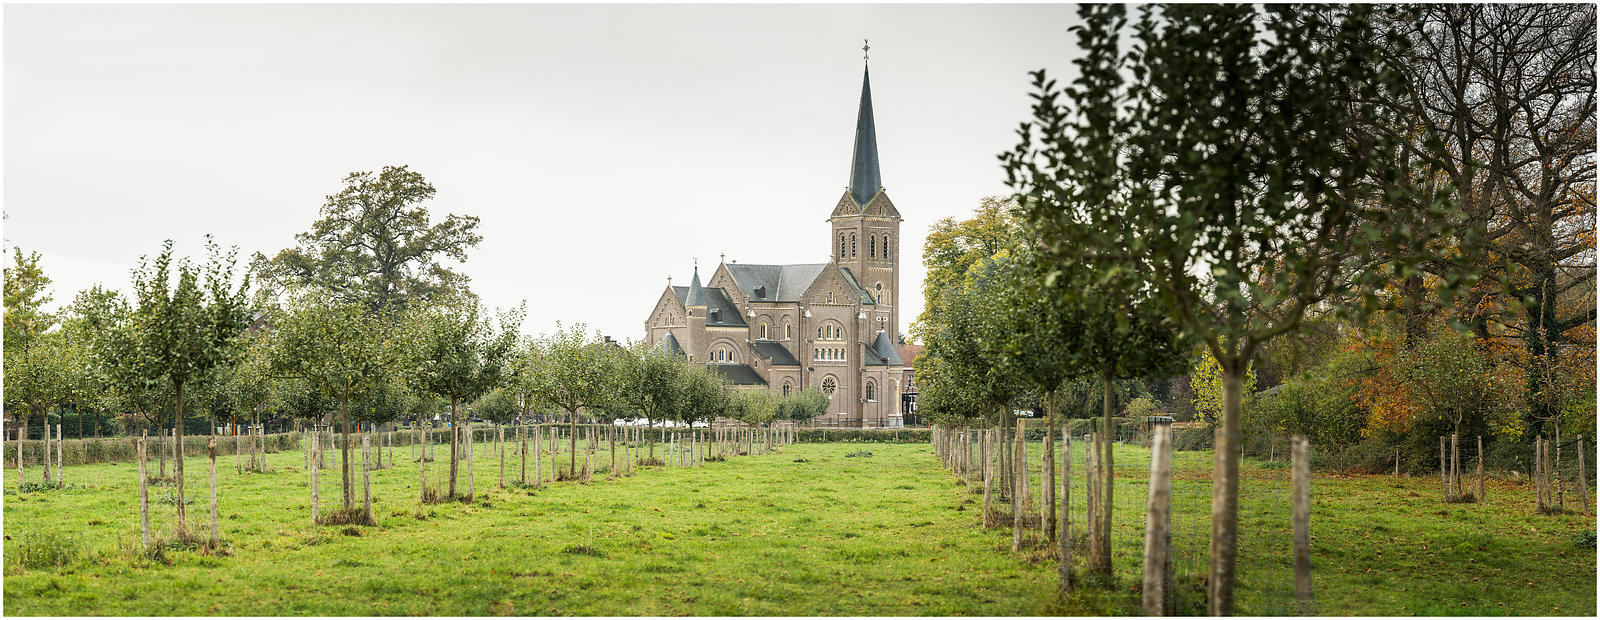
124, 449
865, 435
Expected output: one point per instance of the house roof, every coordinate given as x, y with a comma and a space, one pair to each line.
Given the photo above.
737, 374
775, 353
696, 295
909, 352
720, 305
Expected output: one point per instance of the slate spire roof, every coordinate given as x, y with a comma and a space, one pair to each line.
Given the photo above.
697, 293
865, 179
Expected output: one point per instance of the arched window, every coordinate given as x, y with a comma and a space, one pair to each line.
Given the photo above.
879, 289
763, 331
786, 388
872, 247
870, 389
841, 245
852, 245
830, 298
886, 253
819, 333
829, 386
786, 333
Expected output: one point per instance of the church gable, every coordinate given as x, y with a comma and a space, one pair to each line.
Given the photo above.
880, 206
832, 281
668, 310
847, 206
724, 280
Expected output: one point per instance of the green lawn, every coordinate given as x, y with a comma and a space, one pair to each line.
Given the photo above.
807, 531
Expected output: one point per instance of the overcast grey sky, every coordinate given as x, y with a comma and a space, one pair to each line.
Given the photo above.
604, 147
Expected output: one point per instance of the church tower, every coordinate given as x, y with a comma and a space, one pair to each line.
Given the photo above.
865, 235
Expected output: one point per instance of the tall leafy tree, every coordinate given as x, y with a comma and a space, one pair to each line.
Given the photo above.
375, 243
457, 353
1247, 179
655, 382
574, 369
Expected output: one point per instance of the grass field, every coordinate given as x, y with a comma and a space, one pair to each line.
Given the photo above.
810, 530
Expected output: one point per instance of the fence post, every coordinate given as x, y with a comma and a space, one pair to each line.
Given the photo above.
1157, 521
1064, 514
316, 468
1538, 470
1583, 481
144, 494
211, 451
61, 459
1019, 486
1302, 524
366, 476
1444, 484
988, 477
1481, 493
1455, 465
1397, 461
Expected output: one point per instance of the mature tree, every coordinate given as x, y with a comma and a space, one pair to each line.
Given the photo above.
1245, 174
337, 348
375, 244
457, 353
756, 407
497, 406
953, 246
575, 370
1508, 92
30, 376
1205, 379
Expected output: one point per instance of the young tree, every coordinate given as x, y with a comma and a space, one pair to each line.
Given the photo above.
654, 380
457, 353
182, 334
803, 406
575, 370
374, 244
335, 347
1245, 175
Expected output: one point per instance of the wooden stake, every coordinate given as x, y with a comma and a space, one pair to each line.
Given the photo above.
144, 492
1455, 465
316, 468
61, 459
366, 476
1583, 478
1157, 521
472, 487
1444, 484
1302, 524
988, 477
1481, 495
1064, 536
500, 443
1019, 488
211, 451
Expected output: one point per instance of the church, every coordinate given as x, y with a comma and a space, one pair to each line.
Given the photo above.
830, 326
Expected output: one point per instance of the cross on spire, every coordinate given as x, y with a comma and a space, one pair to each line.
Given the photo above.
864, 47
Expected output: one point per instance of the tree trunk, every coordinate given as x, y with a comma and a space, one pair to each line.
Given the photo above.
988, 478
472, 485
316, 472
572, 465
1225, 494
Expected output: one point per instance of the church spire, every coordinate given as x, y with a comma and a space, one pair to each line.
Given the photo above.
697, 293
864, 177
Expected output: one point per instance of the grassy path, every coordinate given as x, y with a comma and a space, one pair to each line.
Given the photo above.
809, 531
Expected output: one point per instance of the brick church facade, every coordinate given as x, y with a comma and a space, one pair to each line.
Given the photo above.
831, 326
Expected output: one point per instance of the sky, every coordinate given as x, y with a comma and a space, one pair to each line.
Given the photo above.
604, 148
